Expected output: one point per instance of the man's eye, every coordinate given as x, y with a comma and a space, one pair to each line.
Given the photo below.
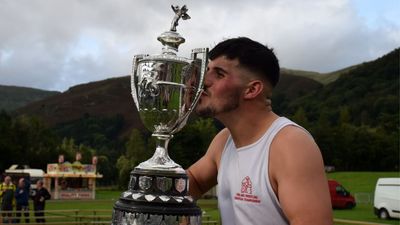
220, 75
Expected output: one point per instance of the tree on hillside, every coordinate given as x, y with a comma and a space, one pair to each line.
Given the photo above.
67, 148
136, 152
355, 119
185, 148
300, 117
7, 148
192, 142
26, 141
98, 136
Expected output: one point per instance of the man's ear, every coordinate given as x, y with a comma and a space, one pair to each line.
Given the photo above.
254, 88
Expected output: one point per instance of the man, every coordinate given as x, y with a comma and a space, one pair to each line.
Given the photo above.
7, 189
22, 199
39, 201
269, 169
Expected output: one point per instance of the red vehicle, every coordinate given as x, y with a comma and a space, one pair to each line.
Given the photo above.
340, 197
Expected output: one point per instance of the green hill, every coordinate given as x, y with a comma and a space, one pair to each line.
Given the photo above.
355, 119
291, 87
12, 97
370, 92
105, 99
323, 78
111, 97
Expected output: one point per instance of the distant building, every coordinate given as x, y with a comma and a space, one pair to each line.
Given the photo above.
75, 180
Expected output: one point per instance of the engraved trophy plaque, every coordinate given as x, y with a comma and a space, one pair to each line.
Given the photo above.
165, 89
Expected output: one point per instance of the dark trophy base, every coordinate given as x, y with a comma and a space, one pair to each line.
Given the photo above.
156, 197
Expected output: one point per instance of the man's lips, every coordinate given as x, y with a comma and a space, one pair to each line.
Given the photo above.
202, 96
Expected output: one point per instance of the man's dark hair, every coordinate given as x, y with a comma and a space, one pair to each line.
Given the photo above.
251, 55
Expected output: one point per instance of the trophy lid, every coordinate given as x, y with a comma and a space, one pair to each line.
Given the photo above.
171, 39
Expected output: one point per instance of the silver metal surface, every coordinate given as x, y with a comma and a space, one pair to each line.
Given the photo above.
148, 219
165, 90
179, 13
171, 39
145, 182
164, 183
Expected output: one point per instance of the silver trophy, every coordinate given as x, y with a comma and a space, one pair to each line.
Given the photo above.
165, 89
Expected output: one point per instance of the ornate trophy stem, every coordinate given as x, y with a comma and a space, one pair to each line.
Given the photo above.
160, 159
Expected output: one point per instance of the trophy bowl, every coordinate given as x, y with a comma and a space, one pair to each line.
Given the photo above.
165, 89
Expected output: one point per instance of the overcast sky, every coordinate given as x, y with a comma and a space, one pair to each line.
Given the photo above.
55, 44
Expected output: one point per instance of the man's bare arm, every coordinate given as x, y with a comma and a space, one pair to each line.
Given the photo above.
203, 174
297, 174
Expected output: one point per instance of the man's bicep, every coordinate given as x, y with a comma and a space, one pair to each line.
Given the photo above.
203, 174
302, 185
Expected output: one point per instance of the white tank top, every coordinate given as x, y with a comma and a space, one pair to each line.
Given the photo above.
245, 194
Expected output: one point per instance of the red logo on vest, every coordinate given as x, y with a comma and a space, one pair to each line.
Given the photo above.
246, 186
247, 192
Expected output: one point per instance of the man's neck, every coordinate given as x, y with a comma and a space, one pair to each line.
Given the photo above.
248, 125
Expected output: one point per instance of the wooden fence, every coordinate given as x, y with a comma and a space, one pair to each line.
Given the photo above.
103, 217
71, 217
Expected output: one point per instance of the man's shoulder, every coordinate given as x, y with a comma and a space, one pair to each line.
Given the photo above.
219, 141
217, 146
223, 135
292, 132
293, 141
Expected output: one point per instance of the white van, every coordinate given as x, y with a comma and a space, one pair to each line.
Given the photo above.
387, 198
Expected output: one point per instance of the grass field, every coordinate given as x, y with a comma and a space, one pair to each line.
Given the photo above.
358, 183
362, 186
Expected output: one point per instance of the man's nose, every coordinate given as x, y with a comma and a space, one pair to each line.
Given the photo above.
207, 79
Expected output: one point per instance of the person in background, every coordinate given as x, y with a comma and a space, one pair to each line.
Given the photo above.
22, 199
39, 201
7, 189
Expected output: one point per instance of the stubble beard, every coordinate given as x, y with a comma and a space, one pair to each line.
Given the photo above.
211, 111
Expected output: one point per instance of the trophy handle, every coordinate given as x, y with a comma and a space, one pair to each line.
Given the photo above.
204, 63
199, 90
134, 87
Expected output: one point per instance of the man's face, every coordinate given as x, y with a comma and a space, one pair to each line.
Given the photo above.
223, 87
21, 182
7, 180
